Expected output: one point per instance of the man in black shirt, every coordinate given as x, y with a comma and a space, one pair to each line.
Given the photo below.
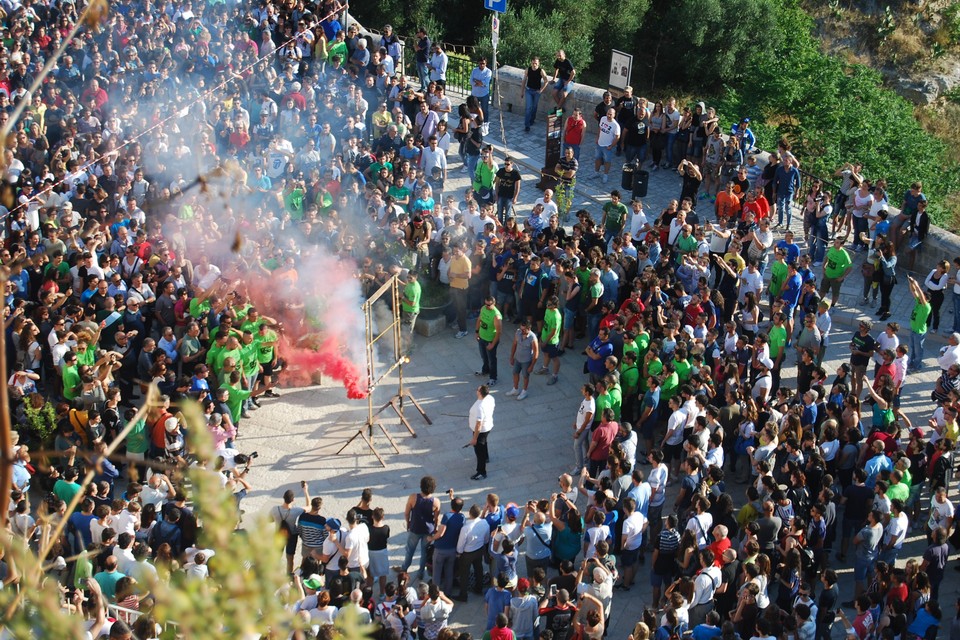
563, 75
507, 183
827, 604
857, 501
862, 346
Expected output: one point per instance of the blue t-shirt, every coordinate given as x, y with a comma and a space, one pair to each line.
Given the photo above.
791, 291
705, 632
603, 349
497, 602
453, 523
792, 250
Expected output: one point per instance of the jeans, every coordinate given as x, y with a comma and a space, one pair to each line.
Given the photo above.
459, 298
820, 236
886, 288
488, 357
783, 205
485, 106
593, 325
471, 162
632, 153
504, 206
530, 111
860, 225
424, 73
576, 150
936, 301
580, 446
671, 139
917, 341
413, 539
444, 562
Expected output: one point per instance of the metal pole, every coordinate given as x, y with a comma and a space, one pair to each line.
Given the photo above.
6, 439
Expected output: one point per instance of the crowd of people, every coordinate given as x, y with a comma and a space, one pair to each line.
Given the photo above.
171, 180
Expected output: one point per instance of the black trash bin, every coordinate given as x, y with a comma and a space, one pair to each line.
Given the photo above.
641, 180
626, 178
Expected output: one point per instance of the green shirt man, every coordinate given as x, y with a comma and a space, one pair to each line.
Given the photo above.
837, 261
919, 317
266, 341
552, 321
488, 323
410, 302
614, 213
778, 275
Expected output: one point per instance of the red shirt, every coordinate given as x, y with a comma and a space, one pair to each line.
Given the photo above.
573, 131
604, 436
718, 548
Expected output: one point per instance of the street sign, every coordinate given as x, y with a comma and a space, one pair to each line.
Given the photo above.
621, 68
495, 32
500, 6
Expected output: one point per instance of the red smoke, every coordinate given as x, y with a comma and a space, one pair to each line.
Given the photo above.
326, 357
321, 320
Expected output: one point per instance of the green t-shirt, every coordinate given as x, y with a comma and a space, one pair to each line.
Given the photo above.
602, 401
265, 351
253, 326
632, 347
684, 369
199, 309
899, 490
778, 275
669, 387
399, 193
777, 340
65, 490
918, 319
412, 293
685, 246
837, 261
616, 213
629, 377
138, 440
643, 345
616, 400
293, 201
71, 381
236, 354
88, 357
488, 328
235, 401
551, 327
596, 292
248, 354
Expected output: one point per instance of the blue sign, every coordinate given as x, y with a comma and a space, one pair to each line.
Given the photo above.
500, 6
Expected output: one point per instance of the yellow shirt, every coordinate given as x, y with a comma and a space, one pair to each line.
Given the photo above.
460, 267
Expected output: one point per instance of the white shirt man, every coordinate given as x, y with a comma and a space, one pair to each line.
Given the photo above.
549, 205
750, 280
633, 527
950, 354
896, 531
433, 157
474, 534
658, 484
609, 131
638, 221
482, 412
705, 585
355, 542
700, 525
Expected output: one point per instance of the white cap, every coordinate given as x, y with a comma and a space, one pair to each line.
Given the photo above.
171, 424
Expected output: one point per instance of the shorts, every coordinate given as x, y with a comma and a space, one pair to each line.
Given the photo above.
672, 452
857, 371
552, 350
569, 319
604, 154
267, 369
291, 545
628, 557
561, 85
657, 580
831, 284
528, 309
521, 368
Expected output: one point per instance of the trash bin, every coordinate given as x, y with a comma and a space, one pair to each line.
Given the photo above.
626, 178
641, 180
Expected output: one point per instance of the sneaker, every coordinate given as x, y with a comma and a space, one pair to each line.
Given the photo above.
605, 178
513, 392
255, 402
541, 371
523, 395
492, 382
479, 373
460, 334
272, 394
478, 476
654, 168
817, 265
245, 414
553, 379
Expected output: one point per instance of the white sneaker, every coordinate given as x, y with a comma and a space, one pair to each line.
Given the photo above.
460, 334
523, 395
605, 178
513, 392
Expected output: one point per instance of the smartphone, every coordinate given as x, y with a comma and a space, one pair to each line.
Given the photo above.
553, 591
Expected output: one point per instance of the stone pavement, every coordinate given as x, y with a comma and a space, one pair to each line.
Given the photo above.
297, 436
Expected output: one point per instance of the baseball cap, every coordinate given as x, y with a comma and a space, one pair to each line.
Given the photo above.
314, 582
333, 524
523, 584
171, 424
917, 433
767, 362
513, 512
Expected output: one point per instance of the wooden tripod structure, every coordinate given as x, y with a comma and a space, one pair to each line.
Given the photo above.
390, 291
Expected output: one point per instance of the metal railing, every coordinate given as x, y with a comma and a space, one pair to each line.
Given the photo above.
461, 59
130, 616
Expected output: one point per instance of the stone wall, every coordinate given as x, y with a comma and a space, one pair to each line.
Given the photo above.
512, 96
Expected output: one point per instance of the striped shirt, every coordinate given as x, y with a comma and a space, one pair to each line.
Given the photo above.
310, 526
